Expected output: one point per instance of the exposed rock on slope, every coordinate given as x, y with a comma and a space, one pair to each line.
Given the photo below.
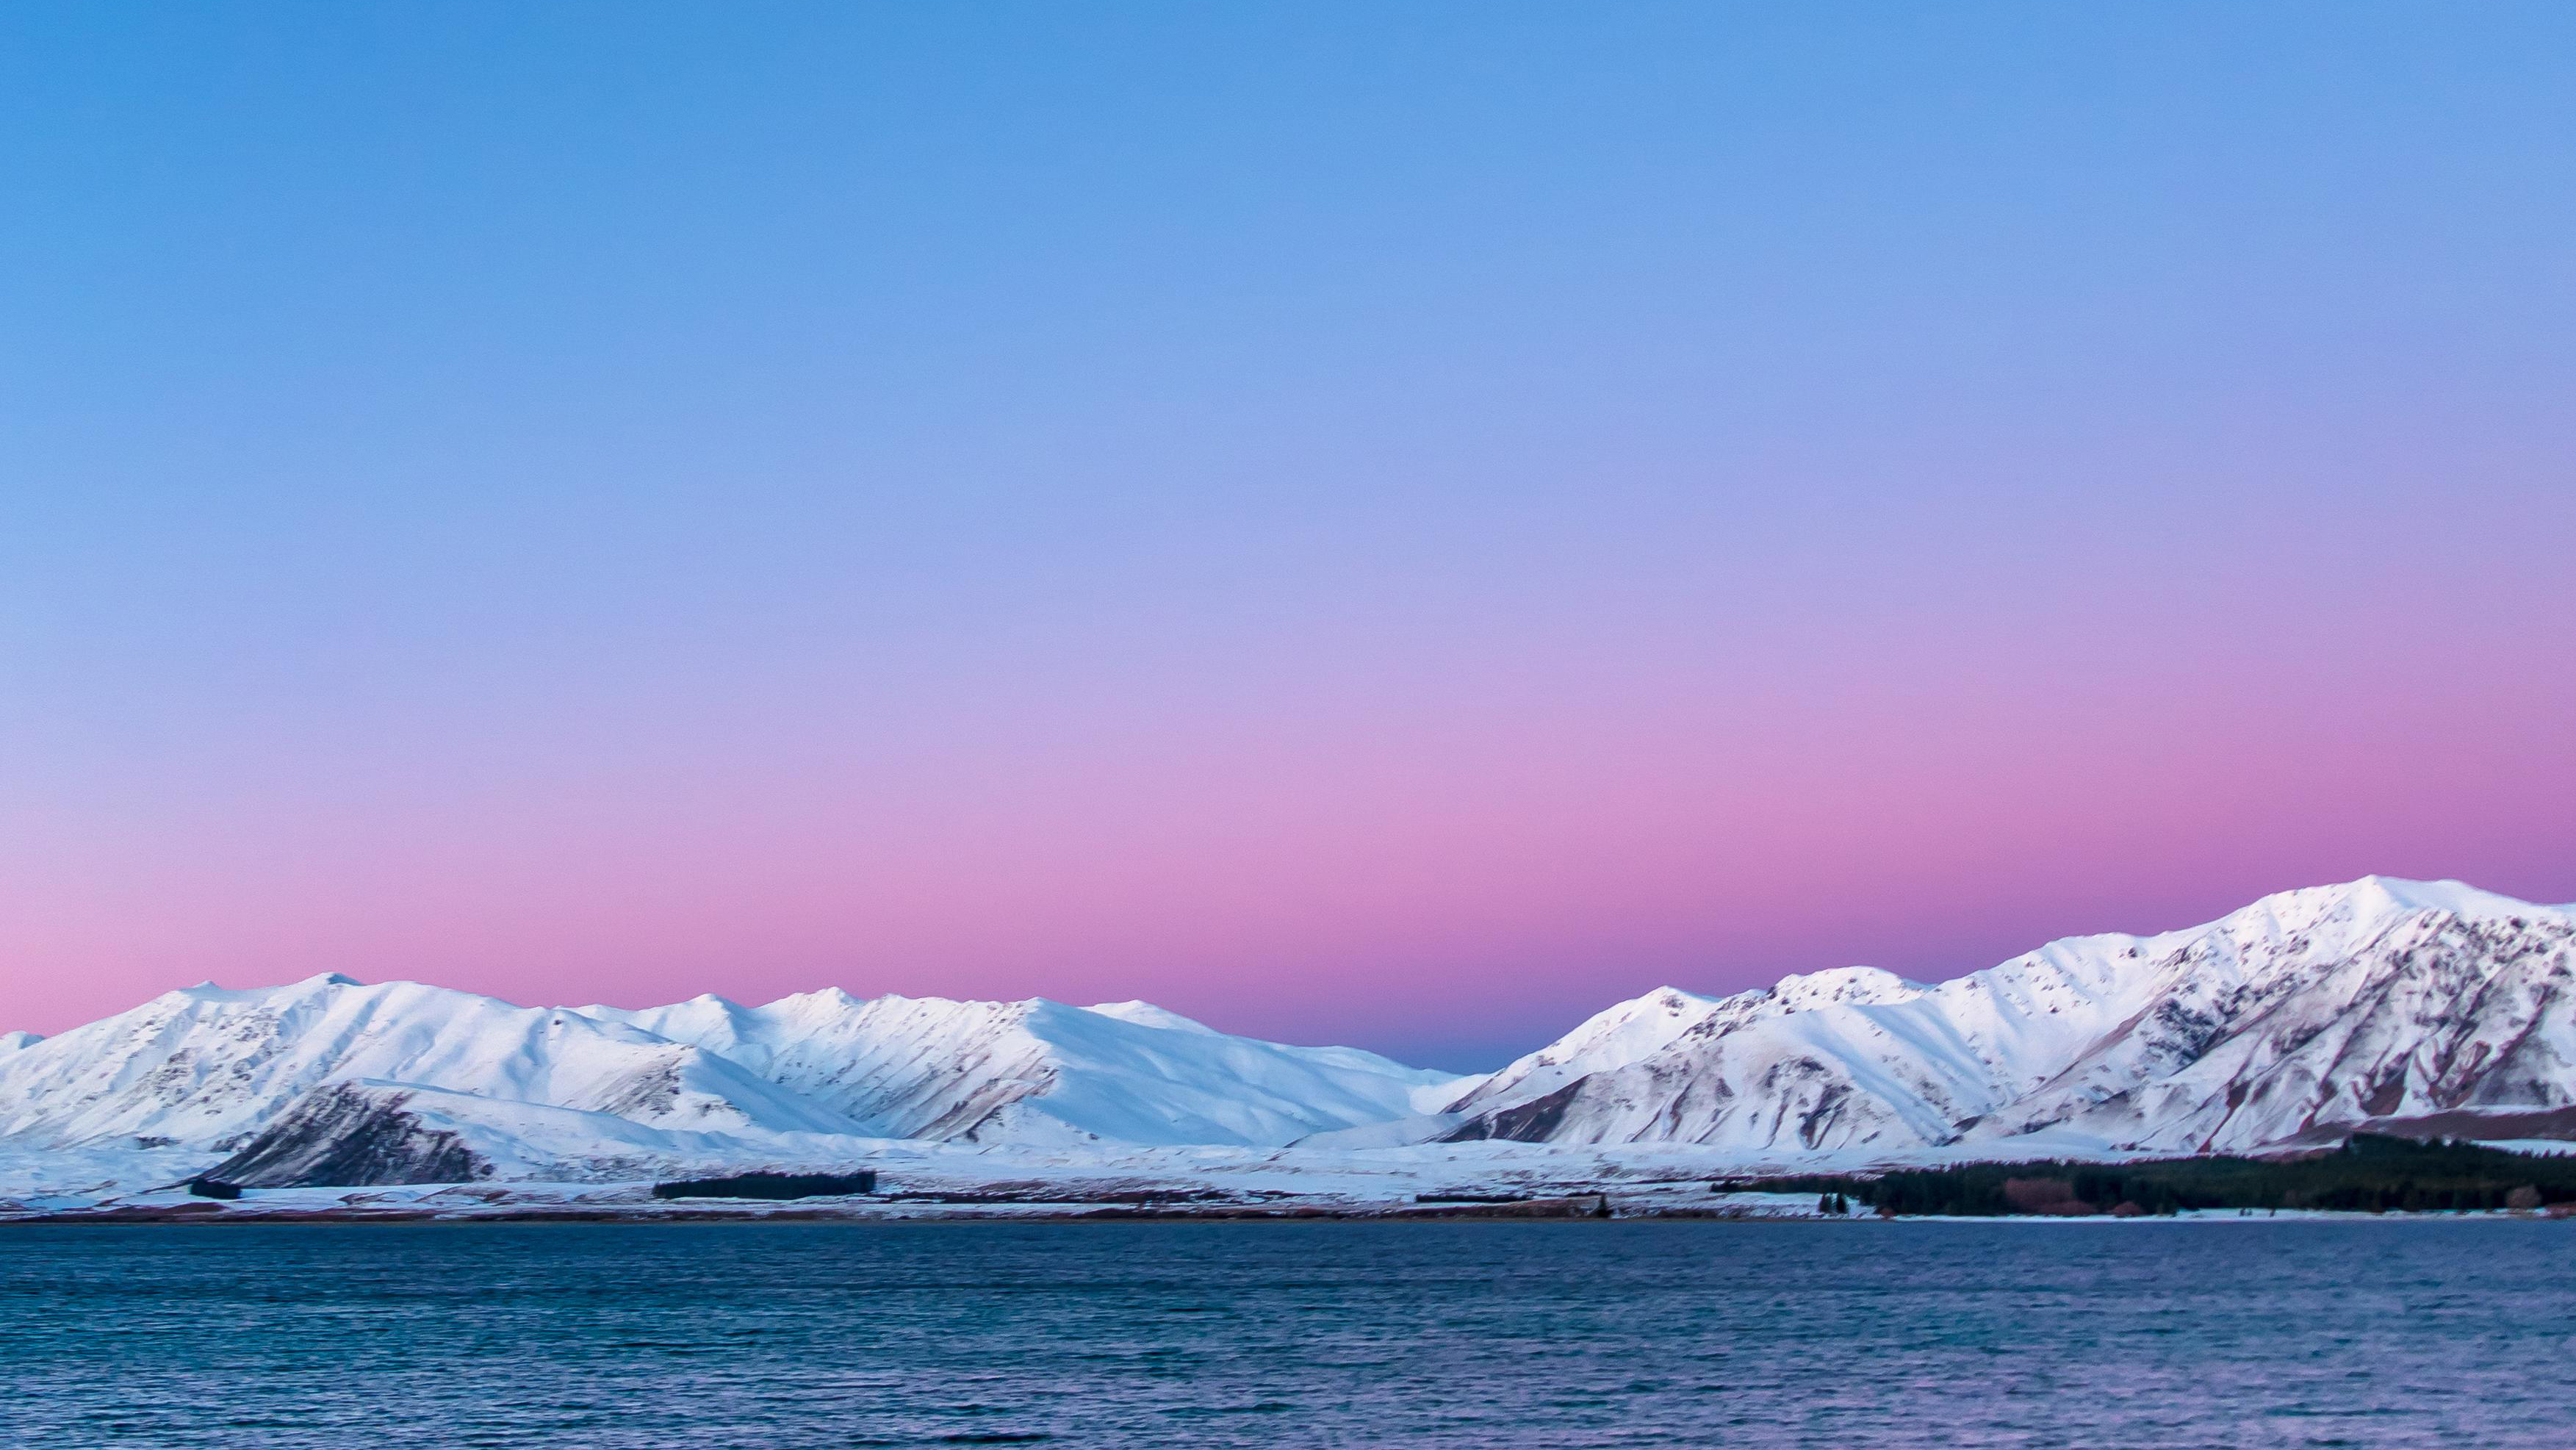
351, 1135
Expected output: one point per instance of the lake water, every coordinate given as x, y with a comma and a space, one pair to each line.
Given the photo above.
781, 1337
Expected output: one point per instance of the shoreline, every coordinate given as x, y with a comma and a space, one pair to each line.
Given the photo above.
1592, 1209
2368, 1177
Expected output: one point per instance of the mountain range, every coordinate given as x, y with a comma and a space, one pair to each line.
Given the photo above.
2378, 1004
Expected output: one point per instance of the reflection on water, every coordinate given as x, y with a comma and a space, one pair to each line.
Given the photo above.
1349, 1334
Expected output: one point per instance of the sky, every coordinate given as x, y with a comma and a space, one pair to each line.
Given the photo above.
1397, 525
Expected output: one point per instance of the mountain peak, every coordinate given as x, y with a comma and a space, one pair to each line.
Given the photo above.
2409, 894
2379, 898
1845, 984
1146, 1014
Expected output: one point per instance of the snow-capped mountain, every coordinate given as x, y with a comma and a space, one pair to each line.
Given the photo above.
329, 1075
2309, 1012
206, 1066
1043, 1072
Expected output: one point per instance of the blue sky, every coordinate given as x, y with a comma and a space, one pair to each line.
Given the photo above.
1297, 512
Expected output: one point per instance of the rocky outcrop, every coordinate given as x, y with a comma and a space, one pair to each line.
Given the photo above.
351, 1135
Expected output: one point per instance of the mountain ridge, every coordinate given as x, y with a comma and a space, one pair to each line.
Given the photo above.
2077, 1035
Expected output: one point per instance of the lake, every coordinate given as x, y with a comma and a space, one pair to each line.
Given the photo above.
1464, 1334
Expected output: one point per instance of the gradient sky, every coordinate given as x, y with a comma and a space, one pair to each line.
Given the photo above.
1387, 524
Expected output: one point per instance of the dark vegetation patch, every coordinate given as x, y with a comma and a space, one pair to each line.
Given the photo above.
770, 1185
2368, 1174
1074, 1193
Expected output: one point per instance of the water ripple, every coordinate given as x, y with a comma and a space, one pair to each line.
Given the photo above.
1424, 1336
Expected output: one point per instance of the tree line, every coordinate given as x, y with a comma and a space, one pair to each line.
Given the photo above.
2368, 1174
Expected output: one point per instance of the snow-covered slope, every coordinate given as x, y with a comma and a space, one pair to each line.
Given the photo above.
1042, 1072
2315, 1009
1611, 1038
362, 1133
209, 1067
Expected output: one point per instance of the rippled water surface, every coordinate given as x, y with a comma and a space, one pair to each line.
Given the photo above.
1357, 1334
